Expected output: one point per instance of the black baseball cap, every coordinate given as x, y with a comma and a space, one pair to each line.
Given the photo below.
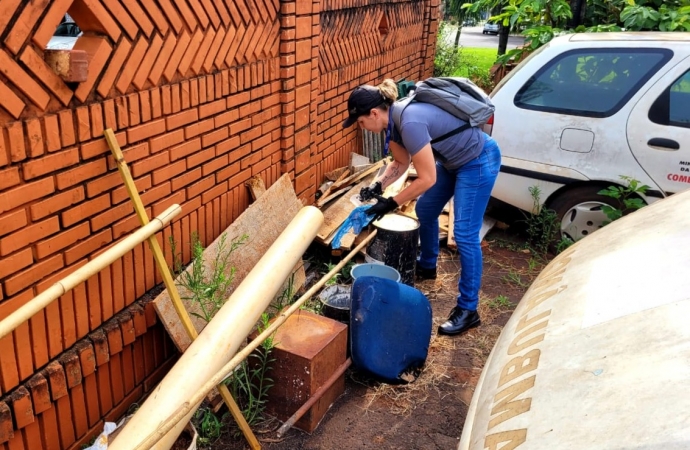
362, 100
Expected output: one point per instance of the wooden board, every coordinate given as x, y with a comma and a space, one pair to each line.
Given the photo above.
325, 196
451, 219
262, 222
335, 174
256, 186
335, 214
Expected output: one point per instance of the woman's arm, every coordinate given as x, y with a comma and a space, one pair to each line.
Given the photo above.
425, 165
394, 170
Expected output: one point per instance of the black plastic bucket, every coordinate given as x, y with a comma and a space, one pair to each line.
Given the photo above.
335, 302
396, 245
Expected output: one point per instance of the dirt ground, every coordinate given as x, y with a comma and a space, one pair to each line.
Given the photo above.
428, 413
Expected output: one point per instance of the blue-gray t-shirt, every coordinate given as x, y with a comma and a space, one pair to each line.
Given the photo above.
422, 122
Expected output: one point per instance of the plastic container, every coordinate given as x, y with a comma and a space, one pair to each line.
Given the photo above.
396, 244
374, 270
335, 302
390, 328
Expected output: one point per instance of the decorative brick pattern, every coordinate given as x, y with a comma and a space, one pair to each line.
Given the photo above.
202, 95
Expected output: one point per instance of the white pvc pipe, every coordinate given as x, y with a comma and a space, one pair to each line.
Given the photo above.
222, 337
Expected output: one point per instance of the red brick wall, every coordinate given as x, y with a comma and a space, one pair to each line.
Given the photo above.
202, 94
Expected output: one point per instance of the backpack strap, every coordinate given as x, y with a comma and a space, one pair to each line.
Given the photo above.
397, 118
458, 130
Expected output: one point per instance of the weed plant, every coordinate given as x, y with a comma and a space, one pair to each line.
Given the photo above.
500, 302
628, 198
514, 278
286, 297
208, 426
563, 243
250, 383
336, 276
208, 288
542, 224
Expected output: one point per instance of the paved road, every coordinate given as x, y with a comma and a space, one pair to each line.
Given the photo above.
473, 37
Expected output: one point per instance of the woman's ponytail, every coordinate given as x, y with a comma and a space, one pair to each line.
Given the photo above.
389, 90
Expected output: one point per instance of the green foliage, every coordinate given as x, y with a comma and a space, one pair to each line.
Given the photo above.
517, 13
627, 196
447, 59
499, 302
652, 15
249, 383
542, 224
563, 243
542, 20
287, 296
208, 426
345, 271
475, 64
207, 287
335, 277
514, 278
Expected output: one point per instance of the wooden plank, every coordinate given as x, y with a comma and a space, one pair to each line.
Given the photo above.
325, 196
451, 218
335, 174
354, 178
336, 214
256, 186
325, 200
262, 222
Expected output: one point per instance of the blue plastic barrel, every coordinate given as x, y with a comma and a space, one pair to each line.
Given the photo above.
390, 328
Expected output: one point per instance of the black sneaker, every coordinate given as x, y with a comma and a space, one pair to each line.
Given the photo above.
425, 274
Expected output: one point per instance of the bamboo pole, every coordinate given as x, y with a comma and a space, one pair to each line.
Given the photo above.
163, 428
169, 282
80, 275
222, 336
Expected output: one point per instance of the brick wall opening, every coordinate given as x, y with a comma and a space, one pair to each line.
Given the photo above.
69, 64
383, 26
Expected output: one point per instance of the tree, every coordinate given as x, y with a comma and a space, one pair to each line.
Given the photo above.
455, 9
541, 20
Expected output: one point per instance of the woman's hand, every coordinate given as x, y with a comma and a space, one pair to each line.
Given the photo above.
382, 207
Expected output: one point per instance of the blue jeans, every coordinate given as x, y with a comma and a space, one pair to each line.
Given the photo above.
471, 187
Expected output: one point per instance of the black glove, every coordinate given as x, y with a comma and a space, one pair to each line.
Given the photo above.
382, 207
369, 192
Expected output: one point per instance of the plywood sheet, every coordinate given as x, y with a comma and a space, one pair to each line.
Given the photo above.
262, 222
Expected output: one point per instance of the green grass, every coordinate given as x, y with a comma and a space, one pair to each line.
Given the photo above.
475, 59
